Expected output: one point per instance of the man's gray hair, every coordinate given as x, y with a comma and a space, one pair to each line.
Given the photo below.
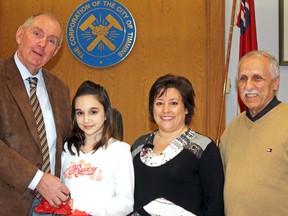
28, 22
274, 66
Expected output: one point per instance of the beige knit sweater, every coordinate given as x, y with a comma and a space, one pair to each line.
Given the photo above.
255, 160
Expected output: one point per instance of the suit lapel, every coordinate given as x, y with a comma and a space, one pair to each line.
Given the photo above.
18, 90
50, 86
52, 93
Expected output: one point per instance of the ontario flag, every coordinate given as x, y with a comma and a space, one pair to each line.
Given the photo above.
248, 38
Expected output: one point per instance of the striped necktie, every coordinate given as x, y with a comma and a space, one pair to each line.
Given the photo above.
40, 124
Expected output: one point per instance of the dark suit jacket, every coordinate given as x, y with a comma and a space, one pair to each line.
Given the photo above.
20, 152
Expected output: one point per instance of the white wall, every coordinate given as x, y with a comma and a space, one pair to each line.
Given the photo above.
267, 26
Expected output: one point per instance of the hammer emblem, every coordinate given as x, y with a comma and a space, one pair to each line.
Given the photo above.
100, 31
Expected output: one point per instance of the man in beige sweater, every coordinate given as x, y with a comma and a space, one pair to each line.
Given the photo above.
254, 146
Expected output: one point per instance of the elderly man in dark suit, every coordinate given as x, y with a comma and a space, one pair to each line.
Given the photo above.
21, 174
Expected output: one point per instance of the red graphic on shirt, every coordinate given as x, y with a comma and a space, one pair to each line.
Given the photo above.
82, 169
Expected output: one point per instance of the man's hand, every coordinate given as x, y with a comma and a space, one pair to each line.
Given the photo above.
52, 189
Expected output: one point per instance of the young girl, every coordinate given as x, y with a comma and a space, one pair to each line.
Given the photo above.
96, 167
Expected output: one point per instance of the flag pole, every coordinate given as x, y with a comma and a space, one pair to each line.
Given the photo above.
219, 132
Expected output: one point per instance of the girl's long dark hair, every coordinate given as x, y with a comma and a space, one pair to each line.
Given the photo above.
77, 138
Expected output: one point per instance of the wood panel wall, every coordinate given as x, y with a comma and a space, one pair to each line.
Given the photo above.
181, 37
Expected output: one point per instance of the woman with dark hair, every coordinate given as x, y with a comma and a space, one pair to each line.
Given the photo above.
97, 167
177, 170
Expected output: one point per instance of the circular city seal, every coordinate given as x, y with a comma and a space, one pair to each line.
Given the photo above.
101, 33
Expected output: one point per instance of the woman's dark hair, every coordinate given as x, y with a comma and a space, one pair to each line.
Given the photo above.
180, 83
109, 129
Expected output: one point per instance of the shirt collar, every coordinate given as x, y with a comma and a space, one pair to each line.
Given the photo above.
24, 71
273, 103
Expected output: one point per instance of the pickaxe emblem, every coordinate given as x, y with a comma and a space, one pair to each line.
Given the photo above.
100, 31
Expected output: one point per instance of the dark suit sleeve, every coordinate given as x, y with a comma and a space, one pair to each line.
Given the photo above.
15, 170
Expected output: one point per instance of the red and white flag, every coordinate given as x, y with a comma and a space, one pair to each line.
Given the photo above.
248, 37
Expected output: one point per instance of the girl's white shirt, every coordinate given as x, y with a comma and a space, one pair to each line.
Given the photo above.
100, 183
